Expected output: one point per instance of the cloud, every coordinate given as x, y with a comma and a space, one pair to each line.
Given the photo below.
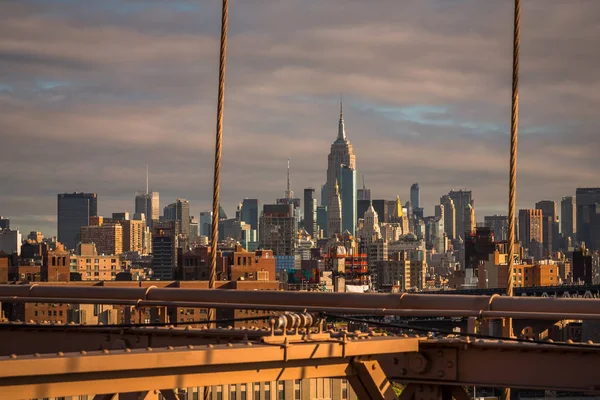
93, 91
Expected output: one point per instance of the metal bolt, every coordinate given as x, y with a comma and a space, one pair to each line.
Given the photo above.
229, 345
249, 343
441, 373
60, 354
83, 352
396, 361
449, 364
13, 356
128, 350
403, 371
440, 353
210, 346
36, 355
105, 351
190, 347
589, 342
170, 348
148, 348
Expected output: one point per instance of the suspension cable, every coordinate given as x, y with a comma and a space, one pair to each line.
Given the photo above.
514, 135
218, 150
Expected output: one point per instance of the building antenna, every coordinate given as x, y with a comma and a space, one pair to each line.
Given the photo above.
147, 179
288, 193
363, 179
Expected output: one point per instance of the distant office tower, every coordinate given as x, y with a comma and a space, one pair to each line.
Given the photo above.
438, 211
4, 223
334, 212
278, 229
498, 224
381, 206
348, 195
567, 217
164, 249
460, 198
149, 205
363, 194
10, 241
120, 216
531, 229
322, 219
549, 226
74, 211
222, 213
341, 154
449, 216
180, 212
415, 196
194, 228
582, 266
107, 237
588, 217
470, 223
250, 212
310, 212
206, 224
35, 236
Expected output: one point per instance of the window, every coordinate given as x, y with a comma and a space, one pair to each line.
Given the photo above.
88, 260
113, 260
551, 278
60, 313
35, 313
96, 261
551, 270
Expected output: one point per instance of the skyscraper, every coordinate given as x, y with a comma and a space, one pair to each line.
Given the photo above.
348, 196
180, 212
567, 217
164, 249
588, 217
460, 198
310, 212
531, 229
149, 205
4, 223
206, 223
322, 219
250, 212
74, 211
415, 196
449, 216
498, 224
334, 212
363, 194
470, 224
278, 229
341, 154
549, 225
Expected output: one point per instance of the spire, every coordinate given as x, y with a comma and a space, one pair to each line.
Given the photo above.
341, 130
337, 188
288, 193
146, 178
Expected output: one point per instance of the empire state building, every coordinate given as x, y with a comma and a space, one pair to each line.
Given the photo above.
341, 154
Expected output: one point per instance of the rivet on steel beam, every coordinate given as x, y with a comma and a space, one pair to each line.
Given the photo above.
105, 351
13, 356
403, 371
229, 345
248, 343
83, 352
570, 341
36, 355
189, 327
170, 348
369, 337
441, 373
31, 321
190, 347
210, 346
148, 348
449, 364
550, 340
590, 342
440, 353
127, 350
60, 354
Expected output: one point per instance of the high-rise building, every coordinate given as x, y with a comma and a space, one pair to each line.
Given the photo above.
310, 212
470, 224
567, 217
341, 154
35, 236
348, 196
149, 205
4, 223
322, 219
164, 249
549, 225
10, 241
180, 212
364, 193
278, 227
460, 198
449, 216
334, 212
120, 216
498, 225
250, 211
206, 223
531, 229
133, 235
107, 237
194, 228
74, 211
588, 217
415, 196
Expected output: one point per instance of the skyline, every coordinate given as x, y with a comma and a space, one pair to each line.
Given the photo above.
442, 86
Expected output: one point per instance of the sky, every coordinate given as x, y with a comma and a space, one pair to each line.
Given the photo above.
92, 91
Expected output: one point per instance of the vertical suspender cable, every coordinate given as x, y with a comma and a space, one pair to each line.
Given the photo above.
512, 188
218, 147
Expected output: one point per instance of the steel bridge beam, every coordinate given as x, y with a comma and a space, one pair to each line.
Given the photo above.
149, 369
